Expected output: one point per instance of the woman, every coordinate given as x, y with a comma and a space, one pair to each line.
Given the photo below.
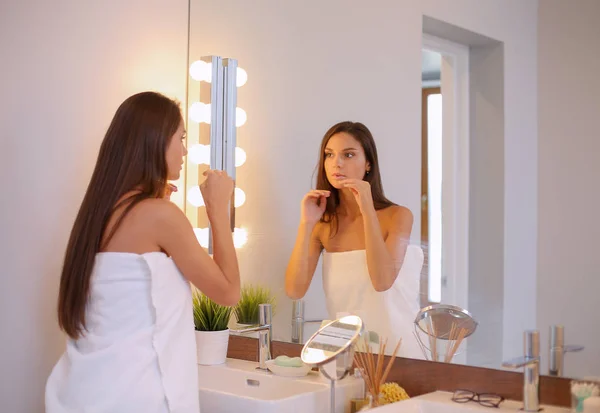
369, 269
125, 299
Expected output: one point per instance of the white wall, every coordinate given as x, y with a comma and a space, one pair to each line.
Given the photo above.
66, 66
486, 204
569, 228
314, 63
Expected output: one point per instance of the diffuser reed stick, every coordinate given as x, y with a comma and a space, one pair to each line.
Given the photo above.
372, 367
457, 335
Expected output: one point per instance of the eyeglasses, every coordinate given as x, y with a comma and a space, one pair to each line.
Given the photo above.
484, 399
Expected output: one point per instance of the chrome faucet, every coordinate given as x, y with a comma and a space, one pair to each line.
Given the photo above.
531, 374
298, 321
558, 349
264, 329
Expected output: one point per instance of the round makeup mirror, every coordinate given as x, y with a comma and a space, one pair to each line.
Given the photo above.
331, 349
332, 340
444, 327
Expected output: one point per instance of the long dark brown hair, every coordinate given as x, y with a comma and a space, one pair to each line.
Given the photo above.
132, 157
363, 135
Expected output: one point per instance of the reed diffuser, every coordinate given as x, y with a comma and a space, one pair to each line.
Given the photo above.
453, 340
457, 335
372, 367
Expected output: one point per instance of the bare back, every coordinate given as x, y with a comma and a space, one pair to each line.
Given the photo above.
136, 232
158, 225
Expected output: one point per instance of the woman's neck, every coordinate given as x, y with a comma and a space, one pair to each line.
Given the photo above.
348, 206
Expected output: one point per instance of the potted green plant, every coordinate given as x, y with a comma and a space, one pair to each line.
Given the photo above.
246, 310
212, 333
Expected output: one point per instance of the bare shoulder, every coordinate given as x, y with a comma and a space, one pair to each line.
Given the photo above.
396, 217
142, 229
399, 212
157, 211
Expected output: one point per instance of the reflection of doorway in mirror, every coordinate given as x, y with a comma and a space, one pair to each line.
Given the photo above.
445, 173
431, 192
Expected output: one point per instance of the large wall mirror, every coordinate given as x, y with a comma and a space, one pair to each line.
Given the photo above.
434, 97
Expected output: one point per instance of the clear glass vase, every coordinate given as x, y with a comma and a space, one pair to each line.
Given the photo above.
373, 401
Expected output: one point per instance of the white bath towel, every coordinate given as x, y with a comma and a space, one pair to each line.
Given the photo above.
391, 313
139, 353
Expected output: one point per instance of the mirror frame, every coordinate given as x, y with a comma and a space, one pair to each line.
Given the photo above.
359, 331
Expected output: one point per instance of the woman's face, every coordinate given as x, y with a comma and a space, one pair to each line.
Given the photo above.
176, 150
344, 159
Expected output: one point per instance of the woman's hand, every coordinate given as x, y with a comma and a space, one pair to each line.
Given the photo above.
362, 193
216, 191
313, 206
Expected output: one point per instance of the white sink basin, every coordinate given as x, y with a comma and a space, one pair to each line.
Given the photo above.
441, 402
237, 386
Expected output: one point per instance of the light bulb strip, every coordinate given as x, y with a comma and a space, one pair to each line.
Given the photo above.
224, 117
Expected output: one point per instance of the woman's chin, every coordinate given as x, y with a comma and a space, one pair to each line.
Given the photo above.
334, 183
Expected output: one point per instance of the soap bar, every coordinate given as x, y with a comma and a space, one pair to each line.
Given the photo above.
285, 361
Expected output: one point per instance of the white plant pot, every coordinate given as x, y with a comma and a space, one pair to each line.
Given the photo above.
211, 347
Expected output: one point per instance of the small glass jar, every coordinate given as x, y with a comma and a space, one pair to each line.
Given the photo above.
375, 401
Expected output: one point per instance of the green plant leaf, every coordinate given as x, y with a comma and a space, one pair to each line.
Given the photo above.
208, 315
246, 310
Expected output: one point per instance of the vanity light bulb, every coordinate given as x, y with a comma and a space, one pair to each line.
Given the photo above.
201, 71
200, 112
240, 157
194, 196
240, 117
240, 237
240, 197
199, 154
241, 77
202, 236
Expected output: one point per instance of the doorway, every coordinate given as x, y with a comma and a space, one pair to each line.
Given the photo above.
445, 172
